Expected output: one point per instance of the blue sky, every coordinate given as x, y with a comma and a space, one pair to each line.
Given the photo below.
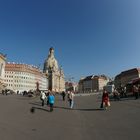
89, 36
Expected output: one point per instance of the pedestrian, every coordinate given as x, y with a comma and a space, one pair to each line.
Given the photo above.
63, 95
105, 99
17, 92
51, 100
43, 97
101, 106
136, 91
125, 92
71, 99
47, 94
122, 91
116, 95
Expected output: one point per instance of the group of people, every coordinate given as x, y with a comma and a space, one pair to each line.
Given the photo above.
70, 97
117, 94
122, 92
105, 103
50, 98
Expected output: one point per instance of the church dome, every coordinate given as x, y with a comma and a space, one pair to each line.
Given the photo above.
51, 62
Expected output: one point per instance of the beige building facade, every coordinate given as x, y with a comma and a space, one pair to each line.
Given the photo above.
93, 83
2, 71
22, 77
55, 74
71, 86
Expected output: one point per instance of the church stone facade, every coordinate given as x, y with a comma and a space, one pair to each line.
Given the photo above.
55, 74
2, 71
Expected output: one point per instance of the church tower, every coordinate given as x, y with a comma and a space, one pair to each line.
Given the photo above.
56, 80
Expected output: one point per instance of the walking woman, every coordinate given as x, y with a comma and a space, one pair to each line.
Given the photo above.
105, 99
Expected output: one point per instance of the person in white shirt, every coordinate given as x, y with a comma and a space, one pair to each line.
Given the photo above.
71, 99
42, 97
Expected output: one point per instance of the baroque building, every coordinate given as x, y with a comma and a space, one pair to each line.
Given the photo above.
92, 83
23, 77
55, 74
2, 71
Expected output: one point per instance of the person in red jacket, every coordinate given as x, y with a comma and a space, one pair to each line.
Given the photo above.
105, 99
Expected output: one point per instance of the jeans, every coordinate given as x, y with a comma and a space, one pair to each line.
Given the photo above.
51, 107
71, 103
42, 102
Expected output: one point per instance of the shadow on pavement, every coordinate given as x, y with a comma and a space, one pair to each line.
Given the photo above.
61, 107
123, 99
32, 110
98, 109
85, 109
36, 103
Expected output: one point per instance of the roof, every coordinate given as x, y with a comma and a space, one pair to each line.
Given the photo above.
3, 56
94, 77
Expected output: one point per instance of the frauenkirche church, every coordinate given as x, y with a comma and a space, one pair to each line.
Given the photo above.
55, 74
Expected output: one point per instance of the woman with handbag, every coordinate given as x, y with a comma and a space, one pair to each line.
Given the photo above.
105, 99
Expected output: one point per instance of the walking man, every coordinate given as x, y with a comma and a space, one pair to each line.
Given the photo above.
63, 95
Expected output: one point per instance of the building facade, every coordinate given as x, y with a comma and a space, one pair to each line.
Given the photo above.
22, 77
93, 83
2, 71
55, 74
71, 86
126, 76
